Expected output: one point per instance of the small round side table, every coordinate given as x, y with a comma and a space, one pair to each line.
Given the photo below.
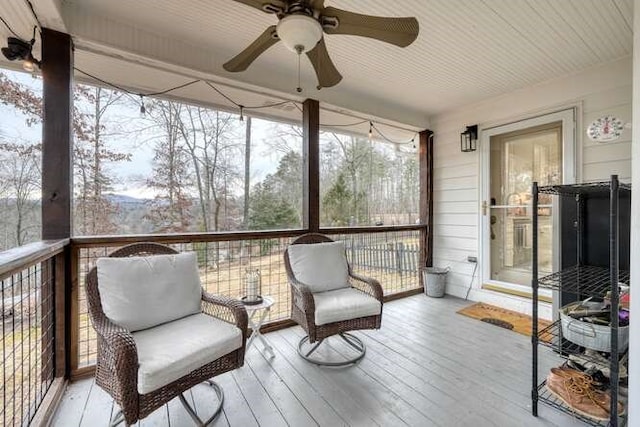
252, 310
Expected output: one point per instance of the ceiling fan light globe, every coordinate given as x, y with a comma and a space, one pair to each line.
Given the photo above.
299, 33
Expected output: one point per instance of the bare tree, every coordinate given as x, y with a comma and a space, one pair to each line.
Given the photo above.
170, 209
95, 213
283, 138
209, 137
355, 155
20, 175
368, 174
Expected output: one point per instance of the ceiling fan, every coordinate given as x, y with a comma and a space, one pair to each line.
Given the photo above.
301, 25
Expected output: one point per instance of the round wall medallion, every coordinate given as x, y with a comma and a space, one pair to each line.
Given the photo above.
607, 128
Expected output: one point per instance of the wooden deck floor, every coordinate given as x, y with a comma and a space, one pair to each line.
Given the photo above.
427, 366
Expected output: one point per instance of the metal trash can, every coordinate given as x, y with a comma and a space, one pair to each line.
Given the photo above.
435, 281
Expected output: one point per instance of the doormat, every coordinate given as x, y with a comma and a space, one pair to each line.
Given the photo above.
498, 322
508, 319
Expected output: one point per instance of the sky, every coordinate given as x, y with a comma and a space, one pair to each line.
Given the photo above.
130, 175
12, 123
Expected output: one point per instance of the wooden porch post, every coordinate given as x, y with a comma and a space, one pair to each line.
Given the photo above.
57, 134
57, 175
311, 152
426, 199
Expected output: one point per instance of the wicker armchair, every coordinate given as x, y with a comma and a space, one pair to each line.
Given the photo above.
362, 311
118, 364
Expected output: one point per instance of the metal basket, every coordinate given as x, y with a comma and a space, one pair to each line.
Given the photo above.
589, 335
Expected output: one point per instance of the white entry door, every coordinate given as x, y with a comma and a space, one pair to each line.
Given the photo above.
514, 156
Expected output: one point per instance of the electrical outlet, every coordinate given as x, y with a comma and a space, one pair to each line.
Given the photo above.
472, 259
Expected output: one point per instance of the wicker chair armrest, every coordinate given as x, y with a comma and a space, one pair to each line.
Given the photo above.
303, 297
116, 338
227, 309
118, 356
121, 349
368, 285
106, 329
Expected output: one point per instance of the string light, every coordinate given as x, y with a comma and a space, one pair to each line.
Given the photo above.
242, 108
372, 126
383, 136
345, 125
239, 106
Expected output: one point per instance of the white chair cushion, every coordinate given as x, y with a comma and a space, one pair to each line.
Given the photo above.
320, 266
172, 350
344, 304
143, 292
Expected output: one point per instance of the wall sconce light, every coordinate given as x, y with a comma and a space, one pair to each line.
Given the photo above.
469, 139
20, 49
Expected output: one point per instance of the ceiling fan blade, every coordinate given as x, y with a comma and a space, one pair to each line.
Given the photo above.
327, 73
398, 31
267, 6
241, 61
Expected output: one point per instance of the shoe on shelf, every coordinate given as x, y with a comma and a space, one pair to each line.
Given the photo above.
594, 360
599, 380
576, 390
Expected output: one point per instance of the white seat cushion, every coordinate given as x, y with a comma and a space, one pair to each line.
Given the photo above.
143, 292
344, 304
172, 350
320, 266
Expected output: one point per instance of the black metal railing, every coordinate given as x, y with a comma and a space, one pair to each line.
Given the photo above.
27, 280
391, 256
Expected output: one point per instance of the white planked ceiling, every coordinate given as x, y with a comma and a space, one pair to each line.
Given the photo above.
467, 51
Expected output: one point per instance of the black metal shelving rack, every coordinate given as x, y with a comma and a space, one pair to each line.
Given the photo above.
583, 281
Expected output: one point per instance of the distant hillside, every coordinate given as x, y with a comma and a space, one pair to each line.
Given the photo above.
122, 199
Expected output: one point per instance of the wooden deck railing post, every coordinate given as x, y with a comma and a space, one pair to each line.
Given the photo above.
426, 199
47, 320
73, 308
57, 174
61, 315
57, 134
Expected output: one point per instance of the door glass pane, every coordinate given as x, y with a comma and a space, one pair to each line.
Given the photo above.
517, 160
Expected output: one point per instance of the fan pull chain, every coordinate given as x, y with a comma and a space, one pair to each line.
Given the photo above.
299, 89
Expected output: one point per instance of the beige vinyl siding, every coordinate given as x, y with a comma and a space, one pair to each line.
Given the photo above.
604, 90
601, 160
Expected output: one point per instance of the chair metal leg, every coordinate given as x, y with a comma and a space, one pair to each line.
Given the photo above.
350, 339
314, 347
355, 343
119, 417
217, 411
